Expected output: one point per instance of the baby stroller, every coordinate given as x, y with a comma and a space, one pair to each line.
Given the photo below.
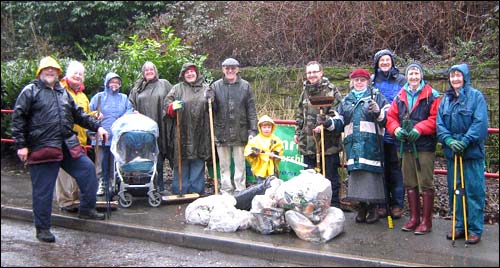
135, 150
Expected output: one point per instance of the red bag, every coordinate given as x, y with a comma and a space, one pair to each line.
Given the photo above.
46, 154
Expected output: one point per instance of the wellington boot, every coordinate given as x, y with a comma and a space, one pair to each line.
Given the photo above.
372, 215
361, 217
428, 207
45, 235
414, 204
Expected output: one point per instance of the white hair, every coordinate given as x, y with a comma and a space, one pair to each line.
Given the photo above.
74, 66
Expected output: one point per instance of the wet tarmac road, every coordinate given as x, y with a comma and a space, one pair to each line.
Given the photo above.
84, 249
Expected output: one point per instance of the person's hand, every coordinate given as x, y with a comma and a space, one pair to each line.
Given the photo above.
401, 134
23, 154
323, 120
413, 135
461, 146
296, 139
274, 154
177, 105
102, 134
320, 119
209, 94
456, 146
374, 108
99, 116
255, 151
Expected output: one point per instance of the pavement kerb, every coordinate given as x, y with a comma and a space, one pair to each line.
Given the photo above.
209, 242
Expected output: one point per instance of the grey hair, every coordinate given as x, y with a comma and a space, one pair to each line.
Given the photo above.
75, 66
149, 63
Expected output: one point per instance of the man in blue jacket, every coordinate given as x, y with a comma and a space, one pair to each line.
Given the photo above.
462, 126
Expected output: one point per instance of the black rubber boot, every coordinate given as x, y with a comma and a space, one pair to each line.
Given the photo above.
372, 215
45, 235
361, 217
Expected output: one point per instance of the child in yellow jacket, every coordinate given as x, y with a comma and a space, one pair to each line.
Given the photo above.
261, 151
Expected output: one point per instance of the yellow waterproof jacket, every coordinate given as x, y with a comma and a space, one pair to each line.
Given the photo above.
262, 165
82, 100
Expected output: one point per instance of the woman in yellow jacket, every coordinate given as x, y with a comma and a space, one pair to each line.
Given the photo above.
260, 151
67, 191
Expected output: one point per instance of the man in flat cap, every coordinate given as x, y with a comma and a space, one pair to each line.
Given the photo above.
235, 123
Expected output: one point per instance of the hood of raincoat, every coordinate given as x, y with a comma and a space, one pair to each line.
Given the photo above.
266, 118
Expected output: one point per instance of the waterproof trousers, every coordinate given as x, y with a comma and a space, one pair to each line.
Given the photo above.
475, 194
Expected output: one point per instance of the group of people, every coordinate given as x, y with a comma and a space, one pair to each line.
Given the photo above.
391, 124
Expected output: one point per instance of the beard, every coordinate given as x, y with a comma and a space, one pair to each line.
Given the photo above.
49, 80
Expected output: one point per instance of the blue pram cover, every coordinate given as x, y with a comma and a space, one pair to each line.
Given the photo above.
134, 144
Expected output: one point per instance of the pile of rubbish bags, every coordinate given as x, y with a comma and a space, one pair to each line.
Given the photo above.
301, 204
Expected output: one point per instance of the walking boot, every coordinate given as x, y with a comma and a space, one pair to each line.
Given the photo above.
361, 217
91, 215
372, 215
45, 235
414, 204
428, 207
100, 188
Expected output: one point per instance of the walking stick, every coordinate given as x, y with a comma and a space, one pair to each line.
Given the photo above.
212, 140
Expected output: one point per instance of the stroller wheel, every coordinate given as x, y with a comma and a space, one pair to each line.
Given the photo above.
126, 201
156, 200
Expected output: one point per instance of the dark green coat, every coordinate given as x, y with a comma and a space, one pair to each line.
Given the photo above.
194, 120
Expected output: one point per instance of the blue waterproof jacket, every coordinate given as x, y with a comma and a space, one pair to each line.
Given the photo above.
113, 105
464, 118
389, 83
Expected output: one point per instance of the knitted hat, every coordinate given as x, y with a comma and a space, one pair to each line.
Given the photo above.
48, 62
417, 65
381, 53
230, 62
360, 73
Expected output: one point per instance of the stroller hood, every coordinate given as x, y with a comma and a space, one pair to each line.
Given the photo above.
143, 140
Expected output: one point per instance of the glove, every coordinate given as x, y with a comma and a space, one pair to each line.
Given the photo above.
209, 94
373, 108
401, 134
177, 105
321, 119
462, 146
413, 135
255, 151
456, 146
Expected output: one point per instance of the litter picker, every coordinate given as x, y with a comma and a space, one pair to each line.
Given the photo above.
282, 158
321, 102
180, 196
460, 191
390, 225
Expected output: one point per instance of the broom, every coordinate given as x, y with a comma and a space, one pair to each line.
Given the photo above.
180, 196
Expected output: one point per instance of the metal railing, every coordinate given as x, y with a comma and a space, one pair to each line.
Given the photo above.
292, 122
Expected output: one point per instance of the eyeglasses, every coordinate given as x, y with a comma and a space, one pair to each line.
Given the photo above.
313, 72
359, 80
230, 67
